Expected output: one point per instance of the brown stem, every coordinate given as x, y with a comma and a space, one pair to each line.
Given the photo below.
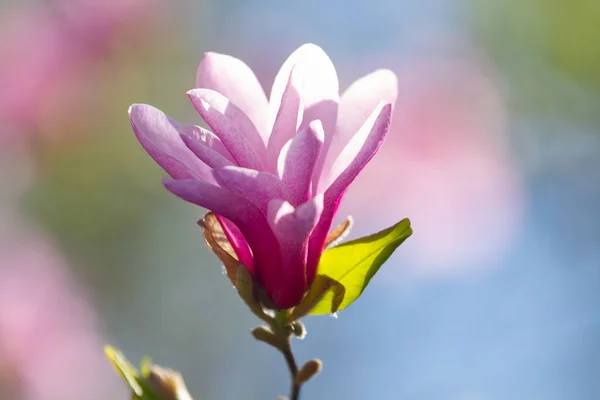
283, 331
286, 350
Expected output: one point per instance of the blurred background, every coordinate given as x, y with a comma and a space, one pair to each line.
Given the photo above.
494, 154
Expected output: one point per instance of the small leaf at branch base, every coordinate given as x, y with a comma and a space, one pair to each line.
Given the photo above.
321, 286
354, 263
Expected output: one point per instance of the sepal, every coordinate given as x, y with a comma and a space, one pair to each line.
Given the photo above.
215, 238
336, 236
238, 274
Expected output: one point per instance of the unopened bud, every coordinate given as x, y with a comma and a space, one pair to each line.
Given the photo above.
298, 329
167, 384
150, 382
265, 334
308, 371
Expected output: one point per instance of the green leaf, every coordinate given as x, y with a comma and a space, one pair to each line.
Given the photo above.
124, 368
320, 287
354, 263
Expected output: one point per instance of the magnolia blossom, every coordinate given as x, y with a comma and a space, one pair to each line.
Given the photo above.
273, 170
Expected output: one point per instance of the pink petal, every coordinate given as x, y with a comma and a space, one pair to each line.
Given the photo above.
235, 80
297, 163
232, 126
237, 241
246, 216
368, 140
292, 228
370, 136
320, 91
356, 105
160, 137
362, 97
294, 224
207, 155
207, 138
258, 187
288, 119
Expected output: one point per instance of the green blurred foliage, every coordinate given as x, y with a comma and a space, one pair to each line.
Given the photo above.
550, 50
96, 185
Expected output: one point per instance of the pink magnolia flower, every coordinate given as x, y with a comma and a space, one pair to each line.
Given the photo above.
273, 170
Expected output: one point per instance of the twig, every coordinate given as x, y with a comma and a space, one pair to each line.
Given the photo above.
286, 350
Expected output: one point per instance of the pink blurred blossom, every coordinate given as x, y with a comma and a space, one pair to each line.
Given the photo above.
50, 52
103, 21
446, 165
50, 348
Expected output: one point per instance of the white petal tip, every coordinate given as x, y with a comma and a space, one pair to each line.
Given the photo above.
277, 208
214, 54
310, 46
198, 92
316, 127
136, 107
385, 71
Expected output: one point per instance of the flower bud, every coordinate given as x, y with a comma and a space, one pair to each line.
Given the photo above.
308, 371
264, 334
298, 329
167, 384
